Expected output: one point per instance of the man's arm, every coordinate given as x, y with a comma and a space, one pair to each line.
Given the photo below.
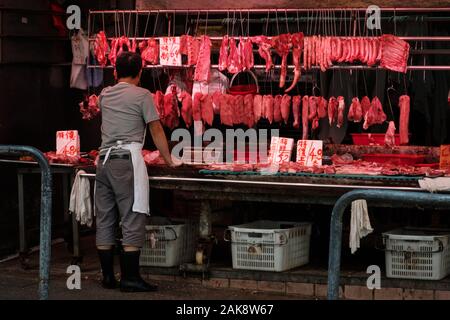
160, 140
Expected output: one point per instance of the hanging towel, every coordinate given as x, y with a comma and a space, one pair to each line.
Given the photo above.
435, 184
359, 223
80, 199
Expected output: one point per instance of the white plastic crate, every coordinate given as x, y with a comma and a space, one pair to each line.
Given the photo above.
175, 244
417, 253
270, 245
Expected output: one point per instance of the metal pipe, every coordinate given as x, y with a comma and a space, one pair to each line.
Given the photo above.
46, 213
394, 197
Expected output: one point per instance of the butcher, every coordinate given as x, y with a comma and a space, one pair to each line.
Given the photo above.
121, 183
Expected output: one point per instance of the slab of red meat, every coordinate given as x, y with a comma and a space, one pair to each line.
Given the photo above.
355, 113
277, 108
341, 110
305, 111
394, 53
151, 52
248, 109
226, 109
186, 108
312, 108
233, 58
285, 107
196, 107
322, 107
297, 48
89, 109
296, 102
123, 45
171, 112
207, 109
365, 105
158, 99
190, 47
112, 56
223, 54
305, 52
264, 46
375, 115
332, 110
257, 107
202, 69
245, 49
216, 101
268, 107
239, 110
403, 103
389, 138
315, 123
100, 48
282, 44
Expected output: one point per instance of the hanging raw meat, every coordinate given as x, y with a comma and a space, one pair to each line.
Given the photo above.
264, 46
158, 99
375, 115
202, 69
196, 107
305, 123
297, 47
394, 53
282, 44
216, 101
112, 56
322, 105
190, 47
277, 108
296, 102
207, 109
233, 58
258, 107
285, 107
101, 48
332, 110
404, 104
312, 108
133, 45
186, 108
171, 112
389, 138
239, 110
223, 54
248, 109
365, 105
123, 44
355, 113
268, 107
226, 109
245, 50
341, 110
151, 52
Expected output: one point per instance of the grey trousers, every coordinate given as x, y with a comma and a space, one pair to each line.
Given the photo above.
114, 197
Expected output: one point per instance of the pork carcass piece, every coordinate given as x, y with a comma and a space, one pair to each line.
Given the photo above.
268, 102
264, 46
245, 49
186, 108
355, 112
296, 102
202, 68
171, 112
305, 123
249, 119
341, 110
100, 48
282, 44
216, 101
365, 105
277, 108
112, 56
285, 107
233, 58
196, 107
394, 53
312, 108
258, 107
305, 53
190, 47
322, 106
223, 54
226, 109
207, 109
375, 115
404, 104
297, 48
151, 52
134, 45
389, 138
332, 110
123, 45
158, 98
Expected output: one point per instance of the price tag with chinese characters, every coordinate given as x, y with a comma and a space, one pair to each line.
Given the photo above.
445, 157
309, 152
280, 150
68, 143
169, 51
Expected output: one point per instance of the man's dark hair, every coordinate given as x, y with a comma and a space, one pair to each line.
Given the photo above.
128, 64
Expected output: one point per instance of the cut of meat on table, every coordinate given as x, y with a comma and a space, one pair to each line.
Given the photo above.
277, 108
375, 115
223, 54
322, 107
196, 107
268, 107
233, 58
239, 110
285, 107
282, 45
365, 105
264, 45
207, 109
171, 112
297, 47
296, 102
346, 158
258, 107
312, 108
101, 48
341, 110
305, 123
150, 55
248, 109
216, 101
355, 112
404, 104
186, 108
202, 69
394, 53
332, 110
226, 109
158, 98
389, 139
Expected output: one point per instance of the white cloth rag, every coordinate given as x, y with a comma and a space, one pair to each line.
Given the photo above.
80, 199
435, 184
359, 223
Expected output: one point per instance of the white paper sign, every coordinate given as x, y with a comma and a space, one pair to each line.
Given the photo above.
68, 143
280, 150
309, 152
169, 51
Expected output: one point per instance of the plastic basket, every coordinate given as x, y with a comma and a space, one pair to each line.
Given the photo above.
417, 253
174, 245
270, 245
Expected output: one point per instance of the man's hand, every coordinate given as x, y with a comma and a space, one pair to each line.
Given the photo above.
176, 162
159, 138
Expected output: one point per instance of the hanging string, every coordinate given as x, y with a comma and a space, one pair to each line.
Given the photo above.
103, 21
248, 23
234, 21
276, 19
196, 23
242, 22
146, 24
115, 24
186, 24
287, 24
136, 26
307, 22
156, 23
267, 22
123, 22
129, 25
298, 22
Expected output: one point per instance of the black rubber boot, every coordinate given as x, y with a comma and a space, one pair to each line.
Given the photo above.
130, 280
107, 262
